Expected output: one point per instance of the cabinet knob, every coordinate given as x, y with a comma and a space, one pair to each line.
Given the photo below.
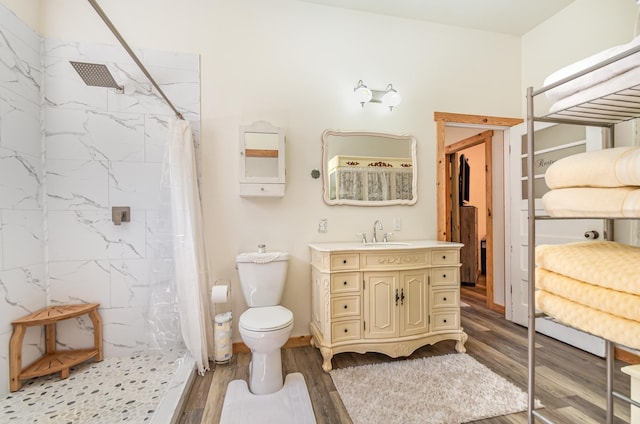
346, 331
444, 320
444, 298
444, 275
444, 256
345, 283
345, 306
344, 261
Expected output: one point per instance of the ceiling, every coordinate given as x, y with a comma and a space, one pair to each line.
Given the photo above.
504, 16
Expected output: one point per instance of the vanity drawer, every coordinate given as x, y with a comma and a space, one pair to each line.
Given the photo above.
445, 320
445, 276
345, 330
401, 260
444, 257
345, 283
345, 306
343, 262
445, 298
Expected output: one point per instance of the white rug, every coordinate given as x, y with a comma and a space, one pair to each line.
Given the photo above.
290, 405
447, 389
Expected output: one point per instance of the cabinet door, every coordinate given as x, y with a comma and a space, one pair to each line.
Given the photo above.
381, 312
414, 300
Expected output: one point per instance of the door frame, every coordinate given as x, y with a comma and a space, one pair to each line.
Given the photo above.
443, 184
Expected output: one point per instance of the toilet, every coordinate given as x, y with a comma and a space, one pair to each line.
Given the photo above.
265, 326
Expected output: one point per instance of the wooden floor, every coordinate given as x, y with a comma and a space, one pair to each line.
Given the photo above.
570, 382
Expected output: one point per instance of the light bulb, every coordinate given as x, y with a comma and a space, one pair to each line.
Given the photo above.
362, 93
391, 97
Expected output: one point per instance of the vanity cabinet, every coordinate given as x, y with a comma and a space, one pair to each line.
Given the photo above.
386, 299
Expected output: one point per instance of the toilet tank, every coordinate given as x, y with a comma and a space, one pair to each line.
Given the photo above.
262, 277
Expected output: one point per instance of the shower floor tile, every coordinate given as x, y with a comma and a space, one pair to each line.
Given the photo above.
125, 389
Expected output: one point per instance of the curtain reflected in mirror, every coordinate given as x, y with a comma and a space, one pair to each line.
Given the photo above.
369, 168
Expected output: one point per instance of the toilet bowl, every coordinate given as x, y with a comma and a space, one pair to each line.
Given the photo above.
265, 326
265, 330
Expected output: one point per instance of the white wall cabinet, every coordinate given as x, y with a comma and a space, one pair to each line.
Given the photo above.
391, 301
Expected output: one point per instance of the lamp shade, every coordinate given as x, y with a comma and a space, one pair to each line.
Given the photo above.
362, 93
391, 98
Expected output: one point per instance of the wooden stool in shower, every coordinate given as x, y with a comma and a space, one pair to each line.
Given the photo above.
52, 361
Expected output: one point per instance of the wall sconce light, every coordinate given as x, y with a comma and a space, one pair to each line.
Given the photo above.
388, 97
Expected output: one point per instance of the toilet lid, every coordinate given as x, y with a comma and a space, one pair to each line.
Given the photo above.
266, 318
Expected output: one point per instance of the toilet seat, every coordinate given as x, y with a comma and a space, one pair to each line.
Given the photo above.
266, 318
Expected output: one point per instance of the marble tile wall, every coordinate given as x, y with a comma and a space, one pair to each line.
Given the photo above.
68, 153
22, 240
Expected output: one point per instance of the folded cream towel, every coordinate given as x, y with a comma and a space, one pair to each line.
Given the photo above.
603, 263
616, 167
608, 326
594, 202
615, 302
262, 258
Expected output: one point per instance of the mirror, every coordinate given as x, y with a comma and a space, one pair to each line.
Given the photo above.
369, 168
262, 169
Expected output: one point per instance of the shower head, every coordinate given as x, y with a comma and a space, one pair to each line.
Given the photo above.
96, 75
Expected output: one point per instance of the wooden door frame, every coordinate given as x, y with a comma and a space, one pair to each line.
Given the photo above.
443, 184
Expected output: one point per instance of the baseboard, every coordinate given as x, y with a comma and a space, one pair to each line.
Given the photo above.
298, 341
626, 356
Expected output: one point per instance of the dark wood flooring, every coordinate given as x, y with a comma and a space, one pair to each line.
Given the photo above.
570, 383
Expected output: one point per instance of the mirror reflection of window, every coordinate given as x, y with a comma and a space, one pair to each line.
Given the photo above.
261, 154
369, 168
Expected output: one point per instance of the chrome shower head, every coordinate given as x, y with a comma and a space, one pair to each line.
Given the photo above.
96, 75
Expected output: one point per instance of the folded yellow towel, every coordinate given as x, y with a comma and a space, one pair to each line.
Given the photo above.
616, 167
618, 202
614, 302
610, 327
604, 263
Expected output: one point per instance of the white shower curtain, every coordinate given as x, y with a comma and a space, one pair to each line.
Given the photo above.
191, 264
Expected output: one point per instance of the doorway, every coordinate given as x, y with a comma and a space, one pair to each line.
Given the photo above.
489, 129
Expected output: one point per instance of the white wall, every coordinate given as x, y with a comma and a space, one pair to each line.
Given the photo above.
295, 64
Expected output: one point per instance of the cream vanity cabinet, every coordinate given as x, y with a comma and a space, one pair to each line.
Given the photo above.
388, 298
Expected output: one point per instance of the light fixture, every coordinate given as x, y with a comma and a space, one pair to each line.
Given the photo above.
391, 98
362, 93
388, 97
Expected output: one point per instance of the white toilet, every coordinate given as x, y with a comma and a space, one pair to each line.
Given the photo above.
265, 326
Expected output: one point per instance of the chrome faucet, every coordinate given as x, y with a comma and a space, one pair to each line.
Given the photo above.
374, 238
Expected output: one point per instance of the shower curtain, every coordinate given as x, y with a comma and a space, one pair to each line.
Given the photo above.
189, 253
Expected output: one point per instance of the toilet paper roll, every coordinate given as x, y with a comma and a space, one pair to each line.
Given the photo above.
220, 294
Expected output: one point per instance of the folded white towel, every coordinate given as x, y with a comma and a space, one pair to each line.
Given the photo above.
595, 77
616, 167
595, 202
262, 258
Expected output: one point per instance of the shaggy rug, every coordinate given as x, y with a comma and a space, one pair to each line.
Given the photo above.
444, 389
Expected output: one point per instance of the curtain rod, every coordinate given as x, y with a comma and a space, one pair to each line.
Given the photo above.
122, 41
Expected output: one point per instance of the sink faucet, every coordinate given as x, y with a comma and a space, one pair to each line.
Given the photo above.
374, 238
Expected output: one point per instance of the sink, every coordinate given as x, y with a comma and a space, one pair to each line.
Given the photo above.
386, 245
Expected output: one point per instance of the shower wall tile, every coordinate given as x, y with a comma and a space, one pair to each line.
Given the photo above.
20, 69
20, 126
80, 282
20, 181
23, 239
156, 134
22, 278
77, 185
130, 283
135, 184
125, 331
83, 134
87, 52
91, 235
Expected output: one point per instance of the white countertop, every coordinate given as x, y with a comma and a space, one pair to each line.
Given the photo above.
392, 245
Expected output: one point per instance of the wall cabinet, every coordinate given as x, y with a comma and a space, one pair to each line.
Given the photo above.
391, 301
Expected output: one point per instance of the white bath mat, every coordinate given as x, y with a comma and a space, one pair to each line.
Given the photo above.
290, 405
